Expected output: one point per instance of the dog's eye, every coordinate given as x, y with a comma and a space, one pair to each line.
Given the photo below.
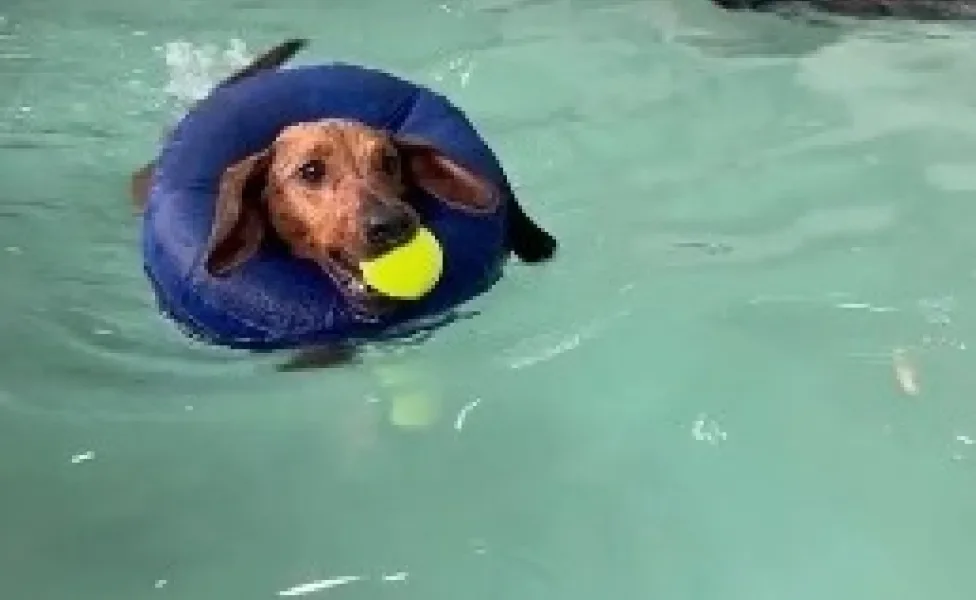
312, 171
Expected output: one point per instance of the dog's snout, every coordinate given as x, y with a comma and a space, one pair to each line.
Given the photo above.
386, 226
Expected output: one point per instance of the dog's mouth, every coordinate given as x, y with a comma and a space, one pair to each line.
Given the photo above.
349, 277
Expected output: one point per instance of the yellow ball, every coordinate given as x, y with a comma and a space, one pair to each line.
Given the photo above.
409, 271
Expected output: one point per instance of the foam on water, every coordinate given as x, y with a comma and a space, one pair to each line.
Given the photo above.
194, 69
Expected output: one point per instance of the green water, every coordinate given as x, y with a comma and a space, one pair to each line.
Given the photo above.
696, 401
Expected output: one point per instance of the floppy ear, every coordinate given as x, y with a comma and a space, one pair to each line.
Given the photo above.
429, 169
238, 226
139, 185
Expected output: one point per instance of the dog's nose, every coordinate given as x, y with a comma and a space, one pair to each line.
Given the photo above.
386, 226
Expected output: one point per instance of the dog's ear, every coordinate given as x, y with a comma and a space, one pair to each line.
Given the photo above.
239, 223
139, 185
429, 169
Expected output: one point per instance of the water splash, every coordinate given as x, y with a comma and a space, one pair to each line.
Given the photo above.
82, 457
194, 69
463, 413
318, 585
705, 429
325, 584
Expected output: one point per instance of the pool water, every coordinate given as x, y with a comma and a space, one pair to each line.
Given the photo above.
747, 376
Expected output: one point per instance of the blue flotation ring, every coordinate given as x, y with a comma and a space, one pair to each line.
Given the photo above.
276, 301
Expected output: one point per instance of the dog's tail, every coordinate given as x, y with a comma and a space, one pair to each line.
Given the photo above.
272, 59
524, 237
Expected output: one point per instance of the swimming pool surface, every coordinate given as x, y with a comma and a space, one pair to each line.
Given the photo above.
747, 376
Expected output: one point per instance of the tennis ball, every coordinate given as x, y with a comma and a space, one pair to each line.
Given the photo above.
409, 271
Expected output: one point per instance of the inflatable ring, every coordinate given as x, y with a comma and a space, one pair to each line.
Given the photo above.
277, 301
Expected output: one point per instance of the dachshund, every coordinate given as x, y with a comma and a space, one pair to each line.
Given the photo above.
922, 10
337, 192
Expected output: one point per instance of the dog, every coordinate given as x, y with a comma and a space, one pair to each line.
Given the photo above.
337, 192
922, 10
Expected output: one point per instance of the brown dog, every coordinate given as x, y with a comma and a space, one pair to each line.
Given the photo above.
337, 192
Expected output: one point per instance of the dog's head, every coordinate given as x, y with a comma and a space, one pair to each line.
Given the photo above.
335, 192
